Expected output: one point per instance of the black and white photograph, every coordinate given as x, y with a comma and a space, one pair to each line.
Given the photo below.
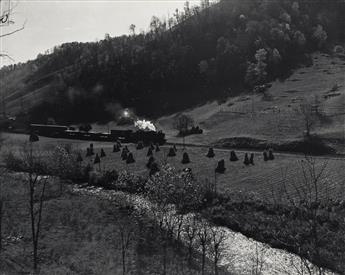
172, 137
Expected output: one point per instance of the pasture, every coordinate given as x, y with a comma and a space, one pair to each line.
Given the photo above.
265, 178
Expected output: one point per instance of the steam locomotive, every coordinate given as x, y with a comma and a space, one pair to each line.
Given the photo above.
125, 136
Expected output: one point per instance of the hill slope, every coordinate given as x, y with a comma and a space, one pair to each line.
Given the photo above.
194, 56
277, 117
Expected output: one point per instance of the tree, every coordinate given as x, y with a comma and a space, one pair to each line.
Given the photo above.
126, 231
320, 36
256, 72
182, 123
132, 29
204, 240
216, 245
308, 115
190, 229
36, 184
307, 197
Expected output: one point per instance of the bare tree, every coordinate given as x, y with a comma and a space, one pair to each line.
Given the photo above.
36, 183
181, 124
306, 196
307, 111
126, 231
258, 260
216, 244
204, 239
179, 219
161, 214
190, 230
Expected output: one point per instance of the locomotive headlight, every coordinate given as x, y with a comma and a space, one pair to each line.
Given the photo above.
125, 113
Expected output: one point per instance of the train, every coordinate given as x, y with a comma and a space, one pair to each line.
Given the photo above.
125, 136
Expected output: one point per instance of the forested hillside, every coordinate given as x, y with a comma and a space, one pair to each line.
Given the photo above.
198, 54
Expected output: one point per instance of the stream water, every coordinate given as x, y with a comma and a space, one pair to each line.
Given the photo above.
241, 255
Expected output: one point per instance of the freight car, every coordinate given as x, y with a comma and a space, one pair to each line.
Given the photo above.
125, 136
48, 130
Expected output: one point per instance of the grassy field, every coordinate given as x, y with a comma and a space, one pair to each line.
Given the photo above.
263, 178
81, 235
256, 217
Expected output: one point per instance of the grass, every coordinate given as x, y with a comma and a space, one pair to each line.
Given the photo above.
80, 235
276, 120
263, 178
265, 217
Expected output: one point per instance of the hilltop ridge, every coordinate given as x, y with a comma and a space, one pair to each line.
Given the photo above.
197, 55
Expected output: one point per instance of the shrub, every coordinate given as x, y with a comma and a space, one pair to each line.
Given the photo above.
14, 163
169, 186
130, 183
66, 163
106, 179
153, 168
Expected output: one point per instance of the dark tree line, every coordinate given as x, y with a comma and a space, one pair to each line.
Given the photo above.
198, 54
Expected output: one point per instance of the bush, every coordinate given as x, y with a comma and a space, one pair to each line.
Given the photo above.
106, 179
21, 164
13, 163
170, 186
130, 183
66, 163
